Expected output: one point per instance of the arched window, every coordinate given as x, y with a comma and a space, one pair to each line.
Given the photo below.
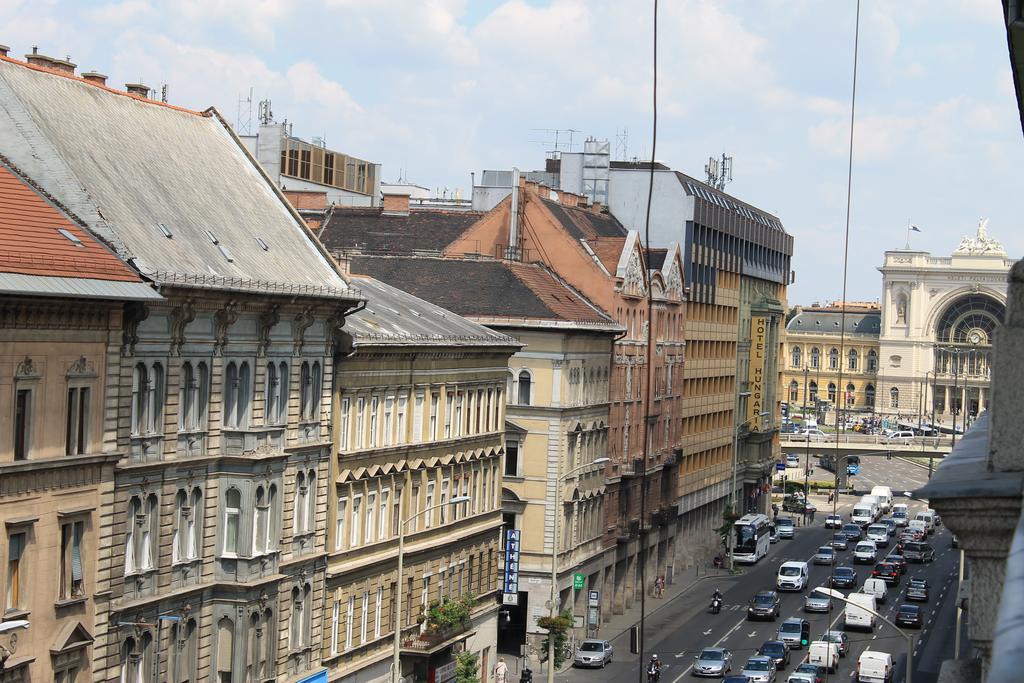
301, 496
260, 519
894, 398
797, 354
195, 387
140, 386
225, 649
185, 543
872, 361
232, 520
852, 359
832, 392
524, 387
142, 534
237, 394
272, 395
833, 359
305, 390
813, 391
131, 662
869, 395
794, 392
815, 357
851, 394
297, 630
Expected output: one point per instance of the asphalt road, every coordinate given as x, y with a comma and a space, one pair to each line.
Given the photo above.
679, 630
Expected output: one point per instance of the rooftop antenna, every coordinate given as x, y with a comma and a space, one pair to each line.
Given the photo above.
244, 126
163, 93
557, 139
719, 171
621, 144
264, 114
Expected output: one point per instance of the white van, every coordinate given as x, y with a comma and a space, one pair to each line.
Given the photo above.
877, 588
879, 533
874, 667
863, 513
883, 494
928, 517
918, 524
854, 616
824, 653
793, 576
900, 507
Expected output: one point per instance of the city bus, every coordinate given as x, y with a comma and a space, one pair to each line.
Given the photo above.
753, 535
853, 464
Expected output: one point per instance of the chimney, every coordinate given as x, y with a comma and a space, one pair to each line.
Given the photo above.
595, 206
35, 58
95, 77
65, 65
396, 203
137, 89
4, 50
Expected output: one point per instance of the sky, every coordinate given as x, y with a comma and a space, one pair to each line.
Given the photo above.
437, 89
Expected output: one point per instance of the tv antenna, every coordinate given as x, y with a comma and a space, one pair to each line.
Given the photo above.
264, 114
557, 139
719, 171
244, 126
621, 144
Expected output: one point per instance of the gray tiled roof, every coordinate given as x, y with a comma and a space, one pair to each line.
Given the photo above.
392, 316
125, 165
828, 322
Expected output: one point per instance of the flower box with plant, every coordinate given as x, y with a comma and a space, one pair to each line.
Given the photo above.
447, 614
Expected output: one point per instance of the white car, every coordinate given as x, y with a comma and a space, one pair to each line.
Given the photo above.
904, 437
593, 652
865, 552
760, 669
812, 435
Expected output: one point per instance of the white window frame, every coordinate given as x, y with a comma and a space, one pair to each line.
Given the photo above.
382, 518
374, 421
229, 513
400, 421
449, 403
340, 522
354, 528
435, 403
417, 417
349, 617
377, 612
360, 422
388, 426
428, 515
344, 439
443, 509
335, 619
364, 617
371, 517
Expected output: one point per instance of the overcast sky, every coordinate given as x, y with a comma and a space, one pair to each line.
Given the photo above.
436, 89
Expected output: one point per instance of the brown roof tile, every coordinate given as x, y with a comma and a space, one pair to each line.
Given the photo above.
31, 242
609, 250
583, 223
370, 230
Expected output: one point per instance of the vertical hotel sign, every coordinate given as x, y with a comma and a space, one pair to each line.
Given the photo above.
510, 584
755, 374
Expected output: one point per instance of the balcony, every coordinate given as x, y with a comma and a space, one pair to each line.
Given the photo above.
429, 642
239, 441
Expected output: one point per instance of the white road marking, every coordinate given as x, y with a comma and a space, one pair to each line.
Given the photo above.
708, 632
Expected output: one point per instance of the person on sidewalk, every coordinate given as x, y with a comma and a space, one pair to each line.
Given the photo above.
659, 587
501, 671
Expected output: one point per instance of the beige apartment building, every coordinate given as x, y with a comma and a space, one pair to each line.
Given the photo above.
419, 415
58, 451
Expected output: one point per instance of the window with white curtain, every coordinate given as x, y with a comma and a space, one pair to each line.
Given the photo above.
344, 438
335, 619
364, 617
360, 421
340, 521
185, 541
357, 521
389, 406
349, 616
382, 518
400, 428
232, 521
371, 516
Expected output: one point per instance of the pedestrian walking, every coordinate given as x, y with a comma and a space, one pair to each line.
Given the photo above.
659, 586
812, 514
501, 671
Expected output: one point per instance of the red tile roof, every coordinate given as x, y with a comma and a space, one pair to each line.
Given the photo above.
563, 301
609, 250
31, 244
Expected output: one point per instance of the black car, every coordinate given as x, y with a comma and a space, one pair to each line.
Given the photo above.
909, 615
899, 561
853, 532
844, 577
886, 571
764, 605
917, 590
777, 650
918, 552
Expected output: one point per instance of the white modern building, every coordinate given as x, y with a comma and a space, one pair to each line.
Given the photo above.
938, 317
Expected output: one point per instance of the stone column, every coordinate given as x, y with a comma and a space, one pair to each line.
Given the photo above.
981, 400
945, 404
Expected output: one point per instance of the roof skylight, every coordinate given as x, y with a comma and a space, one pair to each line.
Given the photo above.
72, 237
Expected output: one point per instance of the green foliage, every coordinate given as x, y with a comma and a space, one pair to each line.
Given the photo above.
467, 667
728, 519
559, 627
447, 613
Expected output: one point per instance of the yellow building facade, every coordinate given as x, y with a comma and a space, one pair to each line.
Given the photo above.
833, 358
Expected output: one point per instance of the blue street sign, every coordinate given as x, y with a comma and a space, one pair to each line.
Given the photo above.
780, 466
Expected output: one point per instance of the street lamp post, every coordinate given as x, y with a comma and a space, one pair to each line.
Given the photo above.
396, 662
553, 612
909, 677
732, 491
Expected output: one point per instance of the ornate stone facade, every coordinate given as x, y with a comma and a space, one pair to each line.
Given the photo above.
938, 318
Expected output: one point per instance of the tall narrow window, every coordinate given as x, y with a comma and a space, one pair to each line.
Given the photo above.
400, 426
377, 612
357, 521
832, 392
894, 398
449, 401
417, 419
344, 439
428, 514
75, 432
364, 617
349, 616
15, 559
794, 389
872, 361
524, 388
237, 394
314, 407
371, 516
335, 622
432, 429
150, 534
72, 578
305, 391
232, 521
340, 521
22, 423
140, 403
272, 395
360, 422
269, 542
374, 405
852, 359
260, 520
310, 511
797, 357
301, 498
225, 650
815, 357
184, 544
833, 359
444, 500
192, 396
382, 519
389, 406
458, 413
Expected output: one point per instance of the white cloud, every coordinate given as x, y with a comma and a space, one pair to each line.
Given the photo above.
121, 12
309, 85
256, 18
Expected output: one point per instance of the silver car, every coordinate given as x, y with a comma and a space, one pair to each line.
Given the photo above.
825, 555
816, 601
713, 661
593, 652
760, 669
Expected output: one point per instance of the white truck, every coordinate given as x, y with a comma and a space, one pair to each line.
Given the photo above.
824, 653
854, 616
883, 494
865, 512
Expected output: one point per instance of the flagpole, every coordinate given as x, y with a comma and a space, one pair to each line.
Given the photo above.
908, 234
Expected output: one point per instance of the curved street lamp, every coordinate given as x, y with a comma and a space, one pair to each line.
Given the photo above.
909, 677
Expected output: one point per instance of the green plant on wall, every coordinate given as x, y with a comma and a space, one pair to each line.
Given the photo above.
559, 627
467, 667
448, 613
728, 519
